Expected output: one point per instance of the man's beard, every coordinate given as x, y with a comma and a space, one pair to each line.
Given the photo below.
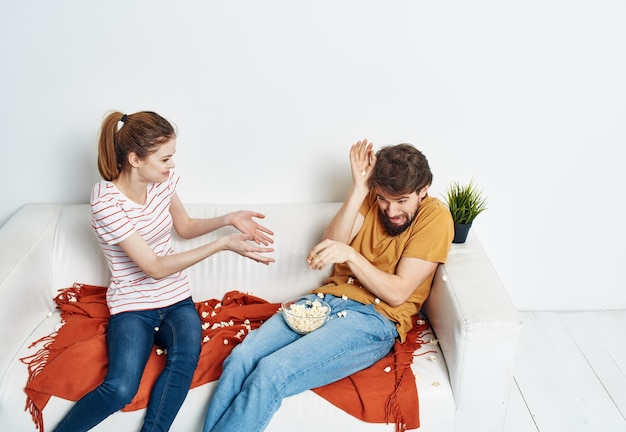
393, 229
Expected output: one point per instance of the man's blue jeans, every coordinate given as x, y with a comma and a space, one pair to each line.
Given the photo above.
274, 362
130, 338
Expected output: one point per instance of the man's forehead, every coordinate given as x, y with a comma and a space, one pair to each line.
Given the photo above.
393, 196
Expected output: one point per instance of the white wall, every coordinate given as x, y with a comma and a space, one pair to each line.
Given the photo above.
528, 98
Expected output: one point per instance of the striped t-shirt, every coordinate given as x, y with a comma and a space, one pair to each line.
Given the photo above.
114, 218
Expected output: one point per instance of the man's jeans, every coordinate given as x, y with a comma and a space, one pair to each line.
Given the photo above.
130, 338
274, 362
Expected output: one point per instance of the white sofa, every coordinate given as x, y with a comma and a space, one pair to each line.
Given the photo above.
464, 387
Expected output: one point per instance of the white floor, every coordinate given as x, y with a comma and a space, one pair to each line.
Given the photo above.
570, 373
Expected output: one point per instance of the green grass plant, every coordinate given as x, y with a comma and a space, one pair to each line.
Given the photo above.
465, 202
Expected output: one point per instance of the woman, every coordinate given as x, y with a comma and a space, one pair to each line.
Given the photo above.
133, 211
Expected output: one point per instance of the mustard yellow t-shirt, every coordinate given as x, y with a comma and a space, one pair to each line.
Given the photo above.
429, 238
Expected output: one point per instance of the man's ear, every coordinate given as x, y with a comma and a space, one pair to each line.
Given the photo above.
133, 159
423, 192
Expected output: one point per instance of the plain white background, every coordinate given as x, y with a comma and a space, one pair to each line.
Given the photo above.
528, 98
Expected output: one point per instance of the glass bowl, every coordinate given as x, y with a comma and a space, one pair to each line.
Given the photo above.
305, 315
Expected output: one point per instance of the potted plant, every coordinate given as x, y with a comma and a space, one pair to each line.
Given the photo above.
465, 203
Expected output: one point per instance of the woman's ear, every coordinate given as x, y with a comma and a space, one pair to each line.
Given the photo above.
133, 159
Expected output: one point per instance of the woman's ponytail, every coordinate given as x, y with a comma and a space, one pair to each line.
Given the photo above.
108, 165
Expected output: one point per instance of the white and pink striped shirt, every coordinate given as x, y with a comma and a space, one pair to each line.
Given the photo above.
114, 218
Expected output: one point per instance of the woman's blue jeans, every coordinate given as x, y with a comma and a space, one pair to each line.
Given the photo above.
130, 339
274, 362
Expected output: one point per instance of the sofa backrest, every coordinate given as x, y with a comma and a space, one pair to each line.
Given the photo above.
76, 256
297, 227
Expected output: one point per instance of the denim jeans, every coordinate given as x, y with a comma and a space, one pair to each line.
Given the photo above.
130, 339
274, 362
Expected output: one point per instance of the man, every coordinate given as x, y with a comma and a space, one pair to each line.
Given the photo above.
385, 241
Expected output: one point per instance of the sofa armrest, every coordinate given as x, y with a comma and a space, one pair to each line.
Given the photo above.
26, 248
478, 330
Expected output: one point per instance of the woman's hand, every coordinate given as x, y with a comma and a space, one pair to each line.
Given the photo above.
242, 220
362, 161
240, 243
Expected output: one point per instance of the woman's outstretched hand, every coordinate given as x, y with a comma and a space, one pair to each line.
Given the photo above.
242, 220
244, 245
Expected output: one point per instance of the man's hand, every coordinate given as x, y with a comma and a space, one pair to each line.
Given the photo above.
329, 252
362, 161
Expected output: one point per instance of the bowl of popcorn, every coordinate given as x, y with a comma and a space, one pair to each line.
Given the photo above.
304, 315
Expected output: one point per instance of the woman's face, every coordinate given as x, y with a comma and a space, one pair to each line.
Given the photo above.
155, 168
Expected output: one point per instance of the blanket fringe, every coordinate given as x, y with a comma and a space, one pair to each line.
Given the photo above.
35, 413
392, 407
35, 363
403, 367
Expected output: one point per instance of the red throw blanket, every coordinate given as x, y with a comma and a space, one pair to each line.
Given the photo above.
73, 361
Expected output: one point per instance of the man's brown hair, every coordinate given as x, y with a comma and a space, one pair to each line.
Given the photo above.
400, 169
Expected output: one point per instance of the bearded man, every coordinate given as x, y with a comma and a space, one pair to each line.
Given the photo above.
385, 243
